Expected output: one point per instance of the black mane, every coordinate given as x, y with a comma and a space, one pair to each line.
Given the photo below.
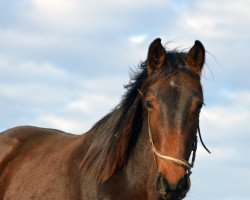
117, 131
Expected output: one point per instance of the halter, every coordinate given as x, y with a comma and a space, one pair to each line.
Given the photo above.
180, 162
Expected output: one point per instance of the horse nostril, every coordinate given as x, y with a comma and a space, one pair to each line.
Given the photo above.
162, 186
166, 192
187, 185
183, 187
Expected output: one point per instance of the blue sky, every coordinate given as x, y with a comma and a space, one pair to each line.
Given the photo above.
63, 64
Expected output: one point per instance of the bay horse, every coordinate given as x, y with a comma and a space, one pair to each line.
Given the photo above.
143, 149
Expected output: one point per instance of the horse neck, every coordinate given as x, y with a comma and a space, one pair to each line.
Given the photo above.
140, 168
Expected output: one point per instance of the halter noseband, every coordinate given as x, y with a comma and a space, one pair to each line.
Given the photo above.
182, 163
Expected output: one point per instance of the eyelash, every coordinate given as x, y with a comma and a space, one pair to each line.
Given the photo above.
200, 105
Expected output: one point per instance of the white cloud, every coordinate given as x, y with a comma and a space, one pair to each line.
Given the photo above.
31, 82
219, 154
93, 103
62, 123
138, 39
22, 38
58, 7
87, 16
204, 25
229, 120
44, 69
51, 12
30, 68
96, 97
107, 84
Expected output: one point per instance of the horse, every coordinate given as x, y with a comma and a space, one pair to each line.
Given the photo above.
144, 149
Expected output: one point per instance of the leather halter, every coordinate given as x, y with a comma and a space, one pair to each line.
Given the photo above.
180, 162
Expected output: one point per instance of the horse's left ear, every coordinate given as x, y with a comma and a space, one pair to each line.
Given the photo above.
156, 55
196, 57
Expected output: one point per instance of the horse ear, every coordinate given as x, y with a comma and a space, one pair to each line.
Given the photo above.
156, 55
196, 57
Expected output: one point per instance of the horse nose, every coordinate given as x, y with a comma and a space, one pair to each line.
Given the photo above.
162, 185
167, 192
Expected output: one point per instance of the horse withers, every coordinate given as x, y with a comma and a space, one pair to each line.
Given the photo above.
143, 149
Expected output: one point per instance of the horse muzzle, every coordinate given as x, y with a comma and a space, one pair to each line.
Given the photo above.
167, 192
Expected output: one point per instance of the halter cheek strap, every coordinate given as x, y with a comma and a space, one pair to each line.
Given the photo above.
182, 163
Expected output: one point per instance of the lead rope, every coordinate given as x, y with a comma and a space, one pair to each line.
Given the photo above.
202, 141
194, 148
195, 144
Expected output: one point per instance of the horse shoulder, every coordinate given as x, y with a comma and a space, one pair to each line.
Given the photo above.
18, 137
22, 149
8, 145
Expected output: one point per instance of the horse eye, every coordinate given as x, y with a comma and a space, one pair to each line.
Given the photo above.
149, 104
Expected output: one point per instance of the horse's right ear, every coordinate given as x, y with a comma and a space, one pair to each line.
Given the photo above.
156, 55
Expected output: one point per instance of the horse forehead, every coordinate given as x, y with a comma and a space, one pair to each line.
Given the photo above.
176, 85
185, 81
176, 82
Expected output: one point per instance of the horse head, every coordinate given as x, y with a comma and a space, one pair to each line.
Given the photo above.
172, 98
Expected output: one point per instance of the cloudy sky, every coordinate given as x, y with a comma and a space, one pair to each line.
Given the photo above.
63, 64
